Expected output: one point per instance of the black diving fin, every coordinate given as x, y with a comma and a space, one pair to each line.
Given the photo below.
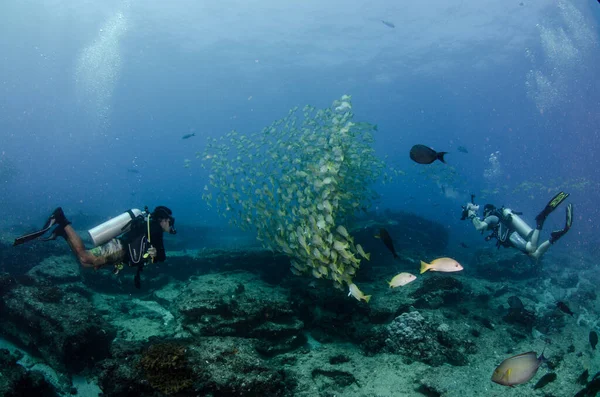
551, 206
32, 236
55, 219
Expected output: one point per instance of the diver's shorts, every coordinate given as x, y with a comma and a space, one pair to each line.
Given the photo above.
113, 251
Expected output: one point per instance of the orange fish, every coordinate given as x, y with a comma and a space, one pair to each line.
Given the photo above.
441, 265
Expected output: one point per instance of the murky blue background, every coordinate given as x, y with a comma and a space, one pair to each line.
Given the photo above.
95, 97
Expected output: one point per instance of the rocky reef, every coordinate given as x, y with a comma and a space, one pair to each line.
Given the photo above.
233, 323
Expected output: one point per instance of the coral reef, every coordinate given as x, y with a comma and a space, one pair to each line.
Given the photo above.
166, 367
218, 306
61, 326
411, 335
17, 381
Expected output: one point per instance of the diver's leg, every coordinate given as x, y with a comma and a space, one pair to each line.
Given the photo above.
533, 241
554, 236
85, 257
518, 242
541, 250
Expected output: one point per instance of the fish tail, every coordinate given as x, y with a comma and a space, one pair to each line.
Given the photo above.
440, 156
390, 283
368, 256
424, 267
367, 298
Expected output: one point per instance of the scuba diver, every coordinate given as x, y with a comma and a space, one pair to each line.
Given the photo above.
510, 229
134, 238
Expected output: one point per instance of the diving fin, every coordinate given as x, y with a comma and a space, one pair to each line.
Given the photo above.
59, 231
31, 236
57, 218
554, 236
551, 206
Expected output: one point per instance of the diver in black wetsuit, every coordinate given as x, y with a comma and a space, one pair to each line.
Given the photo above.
510, 229
132, 238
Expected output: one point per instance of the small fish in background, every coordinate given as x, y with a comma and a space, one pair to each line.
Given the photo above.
464, 245
463, 149
391, 25
133, 171
583, 378
514, 302
188, 136
544, 380
425, 155
562, 306
517, 369
593, 339
387, 240
593, 387
357, 294
401, 280
441, 265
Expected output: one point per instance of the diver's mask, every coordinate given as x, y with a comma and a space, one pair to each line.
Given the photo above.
172, 229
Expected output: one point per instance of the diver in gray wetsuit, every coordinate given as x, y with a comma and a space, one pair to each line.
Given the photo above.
511, 230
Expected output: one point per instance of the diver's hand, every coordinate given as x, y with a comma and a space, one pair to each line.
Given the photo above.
471, 210
472, 207
151, 252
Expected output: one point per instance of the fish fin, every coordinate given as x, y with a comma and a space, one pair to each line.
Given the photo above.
424, 267
368, 256
367, 298
390, 283
440, 156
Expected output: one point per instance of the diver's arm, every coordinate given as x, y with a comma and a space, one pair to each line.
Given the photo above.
486, 224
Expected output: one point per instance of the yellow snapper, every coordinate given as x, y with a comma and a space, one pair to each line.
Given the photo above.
517, 369
401, 280
357, 294
441, 265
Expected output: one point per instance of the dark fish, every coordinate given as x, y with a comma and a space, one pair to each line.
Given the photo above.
425, 155
582, 380
544, 380
564, 308
592, 388
391, 25
464, 245
515, 303
188, 136
133, 171
387, 240
463, 149
593, 339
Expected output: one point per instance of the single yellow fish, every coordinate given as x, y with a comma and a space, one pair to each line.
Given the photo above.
441, 265
401, 280
357, 294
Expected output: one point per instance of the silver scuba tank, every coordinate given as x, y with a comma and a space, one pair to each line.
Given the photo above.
112, 227
518, 223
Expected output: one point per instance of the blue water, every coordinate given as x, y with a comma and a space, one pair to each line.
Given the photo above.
90, 90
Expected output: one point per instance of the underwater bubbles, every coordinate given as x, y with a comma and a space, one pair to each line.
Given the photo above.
97, 71
565, 48
494, 170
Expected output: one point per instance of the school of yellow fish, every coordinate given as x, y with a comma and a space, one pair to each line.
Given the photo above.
296, 183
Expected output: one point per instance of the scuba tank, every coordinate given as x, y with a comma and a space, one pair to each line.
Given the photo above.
113, 227
516, 222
